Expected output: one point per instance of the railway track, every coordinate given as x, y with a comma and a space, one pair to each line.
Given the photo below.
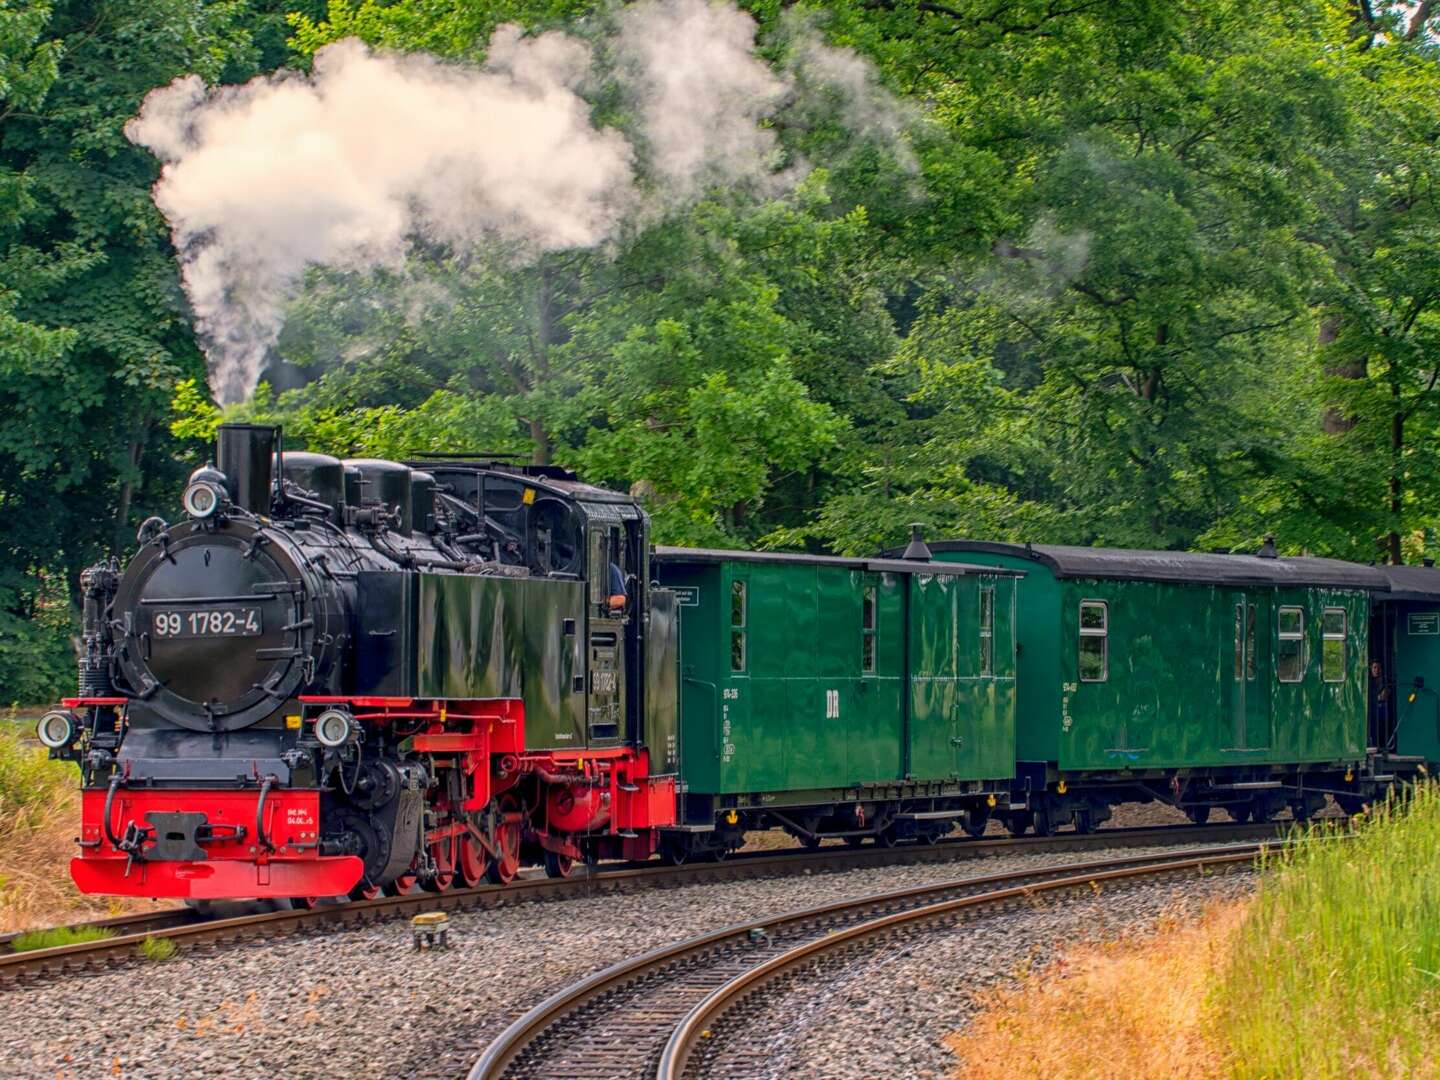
187, 929
650, 1016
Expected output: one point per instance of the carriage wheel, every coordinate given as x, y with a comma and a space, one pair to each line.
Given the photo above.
1043, 824
1017, 823
1241, 812
1198, 814
1084, 821
557, 865
506, 864
472, 862
975, 822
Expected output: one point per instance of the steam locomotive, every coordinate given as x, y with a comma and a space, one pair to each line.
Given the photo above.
339, 677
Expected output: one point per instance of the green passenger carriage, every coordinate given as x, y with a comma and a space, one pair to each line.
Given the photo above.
840, 697
1200, 680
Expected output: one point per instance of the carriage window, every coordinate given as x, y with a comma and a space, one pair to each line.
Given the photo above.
1244, 642
1332, 657
1094, 637
1290, 650
737, 626
1239, 642
1250, 643
987, 631
869, 622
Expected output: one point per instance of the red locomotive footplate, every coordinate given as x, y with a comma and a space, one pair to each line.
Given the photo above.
236, 863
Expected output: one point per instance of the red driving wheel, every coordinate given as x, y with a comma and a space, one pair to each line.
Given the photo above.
506, 864
472, 862
557, 865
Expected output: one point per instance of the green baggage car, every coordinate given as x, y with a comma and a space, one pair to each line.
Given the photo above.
839, 697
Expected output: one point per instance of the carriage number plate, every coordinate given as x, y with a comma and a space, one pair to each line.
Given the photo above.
214, 622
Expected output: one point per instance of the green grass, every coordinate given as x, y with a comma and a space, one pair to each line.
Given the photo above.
157, 949
1336, 972
60, 935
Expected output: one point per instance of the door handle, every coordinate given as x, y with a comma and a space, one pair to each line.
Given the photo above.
957, 740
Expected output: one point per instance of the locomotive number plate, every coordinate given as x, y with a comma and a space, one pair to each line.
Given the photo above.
207, 622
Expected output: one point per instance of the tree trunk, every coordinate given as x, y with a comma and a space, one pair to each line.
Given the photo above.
540, 359
540, 452
127, 488
1335, 420
1397, 478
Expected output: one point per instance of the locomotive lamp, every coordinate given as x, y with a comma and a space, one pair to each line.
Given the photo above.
205, 493
56, 730
334, 728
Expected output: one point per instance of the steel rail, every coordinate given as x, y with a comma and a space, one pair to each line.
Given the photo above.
699, 1024
187, 929
530, 1034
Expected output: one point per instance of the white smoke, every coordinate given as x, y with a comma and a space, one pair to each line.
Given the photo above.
690, 68
347, 167
849, 84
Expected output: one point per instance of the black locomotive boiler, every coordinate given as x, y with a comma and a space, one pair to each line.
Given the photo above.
338, 677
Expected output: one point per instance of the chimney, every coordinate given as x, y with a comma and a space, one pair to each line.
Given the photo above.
917, 548
245, 453
1267, 549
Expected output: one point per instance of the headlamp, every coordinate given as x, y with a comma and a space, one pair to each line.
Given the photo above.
56, 730
201, 499
333, 727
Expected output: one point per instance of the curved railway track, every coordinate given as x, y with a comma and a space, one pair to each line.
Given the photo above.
187, 929
648, 1015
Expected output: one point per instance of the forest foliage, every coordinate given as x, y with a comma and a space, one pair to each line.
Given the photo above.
1135, 273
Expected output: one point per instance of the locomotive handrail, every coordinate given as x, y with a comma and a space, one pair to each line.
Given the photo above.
115, 781
260, 837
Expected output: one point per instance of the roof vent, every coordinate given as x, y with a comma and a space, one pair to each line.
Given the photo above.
1267, 549
917, 549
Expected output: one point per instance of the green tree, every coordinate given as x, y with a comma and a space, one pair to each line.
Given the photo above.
93, 328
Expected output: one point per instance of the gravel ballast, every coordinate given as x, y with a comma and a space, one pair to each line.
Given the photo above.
361, 1003
885, 1012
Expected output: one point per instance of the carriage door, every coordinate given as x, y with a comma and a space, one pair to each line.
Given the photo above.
1249, 686
608, 577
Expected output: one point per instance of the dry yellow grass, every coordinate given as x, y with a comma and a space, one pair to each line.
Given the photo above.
1123, 1009
39, 815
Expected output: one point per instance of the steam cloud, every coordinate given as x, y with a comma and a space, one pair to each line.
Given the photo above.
347, 167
